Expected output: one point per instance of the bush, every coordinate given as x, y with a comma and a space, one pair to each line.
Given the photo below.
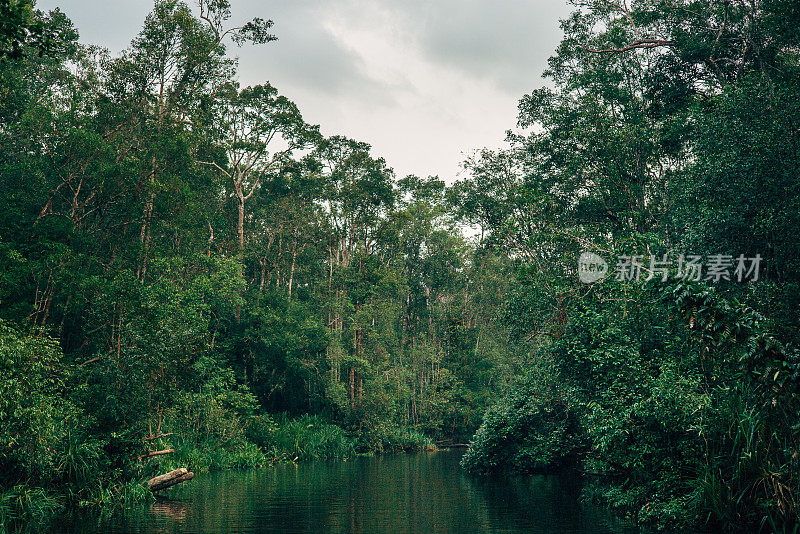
22, 503
533, 429
306, 438
35, 417
390, 438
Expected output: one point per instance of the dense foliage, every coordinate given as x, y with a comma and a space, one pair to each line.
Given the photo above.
671, 128
186, 263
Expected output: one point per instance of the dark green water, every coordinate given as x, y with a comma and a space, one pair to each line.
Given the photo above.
425, 492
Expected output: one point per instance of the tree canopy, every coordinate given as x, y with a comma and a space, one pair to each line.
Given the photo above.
188, 264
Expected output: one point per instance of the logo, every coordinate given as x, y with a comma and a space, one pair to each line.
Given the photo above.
591, 268
690, 267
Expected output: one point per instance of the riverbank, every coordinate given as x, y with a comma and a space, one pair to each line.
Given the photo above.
256, 442
270, 440
402, 492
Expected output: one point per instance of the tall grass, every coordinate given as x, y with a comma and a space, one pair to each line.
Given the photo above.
749, 476
405, 440
306, 438
26, 504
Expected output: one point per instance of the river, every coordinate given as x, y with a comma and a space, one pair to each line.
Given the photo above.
424, 492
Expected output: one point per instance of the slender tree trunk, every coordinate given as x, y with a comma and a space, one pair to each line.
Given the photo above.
144, 234
147, 212
240, 232
294, 259
351, 388
240, 224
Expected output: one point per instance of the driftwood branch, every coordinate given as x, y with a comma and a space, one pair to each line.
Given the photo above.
156, 453
170, 479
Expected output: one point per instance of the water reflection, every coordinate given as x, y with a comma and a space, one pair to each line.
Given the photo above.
426, 492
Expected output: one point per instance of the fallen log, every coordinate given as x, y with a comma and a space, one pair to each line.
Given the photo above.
156, 453
170, 479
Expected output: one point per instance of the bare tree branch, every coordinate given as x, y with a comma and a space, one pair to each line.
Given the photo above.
639, 43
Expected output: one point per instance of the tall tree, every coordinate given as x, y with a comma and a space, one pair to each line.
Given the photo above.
258, 130
175, 57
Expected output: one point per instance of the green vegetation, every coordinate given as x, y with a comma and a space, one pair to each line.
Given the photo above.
670, 129
305, 438
187, 264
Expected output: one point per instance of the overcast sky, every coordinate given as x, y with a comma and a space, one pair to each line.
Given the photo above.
424, 82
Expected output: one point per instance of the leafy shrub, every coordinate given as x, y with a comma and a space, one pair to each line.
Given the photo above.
534, 428
32, 407
305, 438
391, 438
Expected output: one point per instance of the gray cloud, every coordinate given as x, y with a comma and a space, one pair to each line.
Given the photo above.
107, 23
306, 55
422, 81
505, 41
